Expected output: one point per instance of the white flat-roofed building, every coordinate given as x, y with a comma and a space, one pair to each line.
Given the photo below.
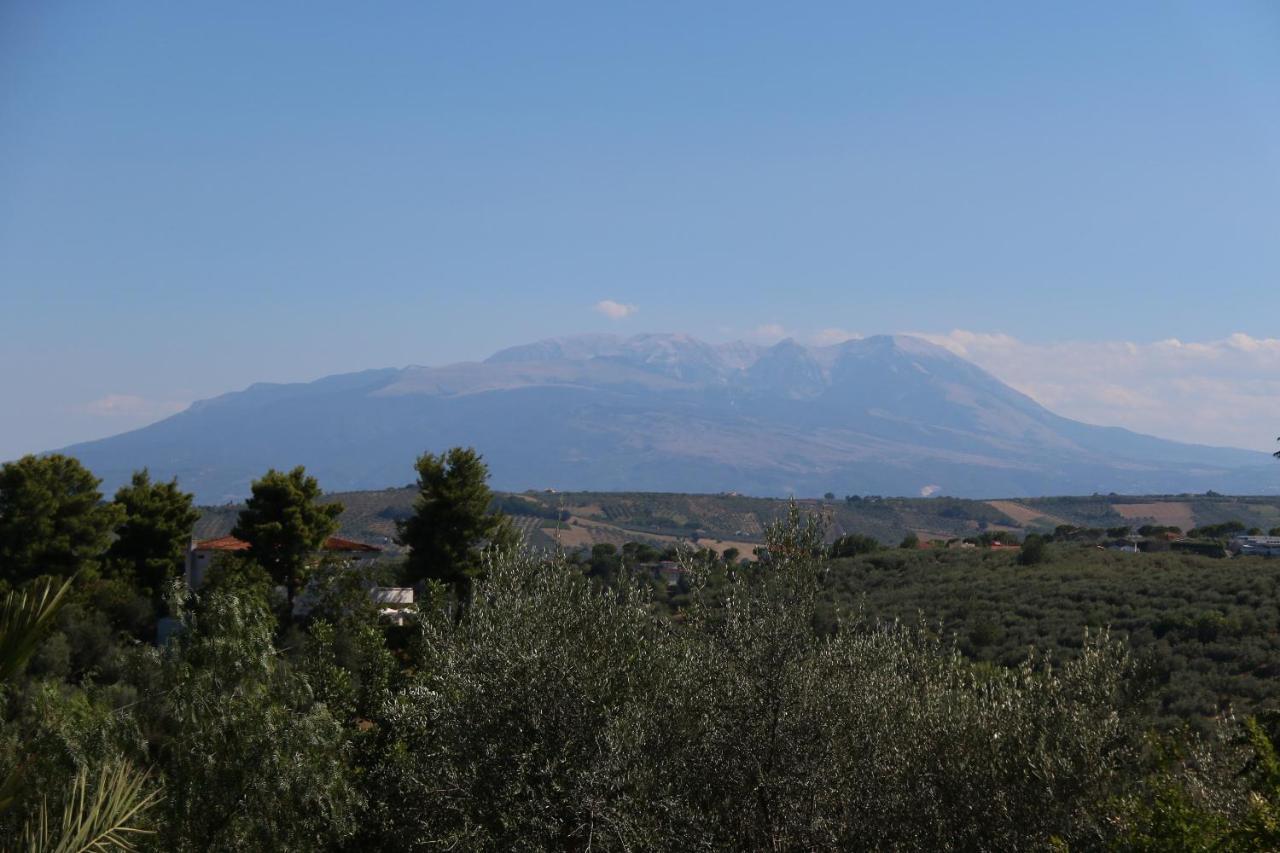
395, 603
1255, 546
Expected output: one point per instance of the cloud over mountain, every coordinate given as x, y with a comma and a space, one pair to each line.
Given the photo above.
615, 310
1220, 392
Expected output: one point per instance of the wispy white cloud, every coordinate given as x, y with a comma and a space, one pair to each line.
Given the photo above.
768, 333
1223, 392
615, 310
132, 407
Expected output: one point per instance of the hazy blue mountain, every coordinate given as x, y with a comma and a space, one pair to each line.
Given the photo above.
880, 415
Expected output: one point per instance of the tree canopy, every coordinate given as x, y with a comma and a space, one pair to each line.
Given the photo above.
52, 518
285, 524
152, 540
451, 521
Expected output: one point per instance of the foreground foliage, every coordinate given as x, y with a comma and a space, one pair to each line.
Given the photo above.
108, 818
556, 709
559, 717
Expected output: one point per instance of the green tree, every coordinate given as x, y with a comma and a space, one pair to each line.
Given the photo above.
152, 541
253, 760
853, 544
285, 525
1034, 551
237, 574
450, 522
52, 519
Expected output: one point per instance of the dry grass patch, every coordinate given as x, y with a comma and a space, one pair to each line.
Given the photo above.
1166, 513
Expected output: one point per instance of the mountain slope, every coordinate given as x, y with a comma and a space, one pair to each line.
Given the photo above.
883, 415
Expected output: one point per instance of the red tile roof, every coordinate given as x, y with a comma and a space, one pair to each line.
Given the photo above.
222, 543
337, 543
231, 543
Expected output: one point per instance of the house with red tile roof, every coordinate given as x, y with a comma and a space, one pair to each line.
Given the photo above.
202, 554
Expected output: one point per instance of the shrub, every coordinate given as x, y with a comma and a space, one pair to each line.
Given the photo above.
852, 545
1034, 551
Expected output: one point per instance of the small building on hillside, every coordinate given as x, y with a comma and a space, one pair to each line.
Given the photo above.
202, 554
1255, 546
395, 603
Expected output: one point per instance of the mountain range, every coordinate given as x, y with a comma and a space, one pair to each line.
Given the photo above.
890, 415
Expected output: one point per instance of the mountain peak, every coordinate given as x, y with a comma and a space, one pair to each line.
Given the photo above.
888, 414
570, 348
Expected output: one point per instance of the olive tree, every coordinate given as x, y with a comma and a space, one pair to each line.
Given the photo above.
558, 713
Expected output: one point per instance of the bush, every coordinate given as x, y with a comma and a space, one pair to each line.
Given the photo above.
1034, 551
852, 545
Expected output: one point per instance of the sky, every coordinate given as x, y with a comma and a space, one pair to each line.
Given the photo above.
1084, 198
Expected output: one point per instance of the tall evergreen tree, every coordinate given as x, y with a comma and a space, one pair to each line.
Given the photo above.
285, 525
152, 541
52, 518
451, 521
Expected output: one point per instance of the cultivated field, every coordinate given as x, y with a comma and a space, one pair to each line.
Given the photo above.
1167, 513
737, 521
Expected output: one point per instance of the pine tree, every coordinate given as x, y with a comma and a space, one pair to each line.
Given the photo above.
451, 522
52, 518
152, 541
285, 525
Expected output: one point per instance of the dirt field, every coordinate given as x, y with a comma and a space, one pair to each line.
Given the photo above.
927, 536
583, 532
1024, 515
1168, 513
720, 546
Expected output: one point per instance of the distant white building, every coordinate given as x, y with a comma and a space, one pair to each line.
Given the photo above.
395, 603
1255, 546
202, 554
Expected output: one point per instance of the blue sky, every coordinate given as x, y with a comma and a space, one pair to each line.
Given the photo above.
194, 197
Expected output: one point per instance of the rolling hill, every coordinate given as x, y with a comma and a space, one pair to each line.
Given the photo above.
737, 521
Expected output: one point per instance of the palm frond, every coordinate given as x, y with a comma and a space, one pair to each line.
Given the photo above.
24, 617
104, 819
